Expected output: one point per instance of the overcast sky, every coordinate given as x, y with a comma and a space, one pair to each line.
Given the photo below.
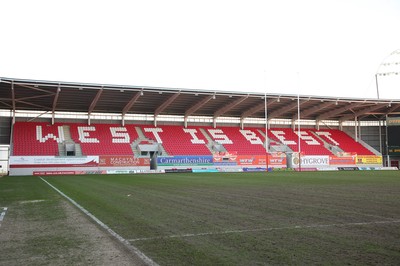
328, 48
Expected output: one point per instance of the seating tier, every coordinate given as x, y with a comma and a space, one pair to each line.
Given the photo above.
248, 141
343, 141
37, 138
177, 140
104, 139
309, 143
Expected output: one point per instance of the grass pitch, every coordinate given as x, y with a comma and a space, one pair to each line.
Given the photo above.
239, 218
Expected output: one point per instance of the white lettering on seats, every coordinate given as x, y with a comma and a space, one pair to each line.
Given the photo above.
328, 136
279, 134
41, 138
219, 136
251, 136
119, 135
195, 139
84, 135
155, 132
307, 138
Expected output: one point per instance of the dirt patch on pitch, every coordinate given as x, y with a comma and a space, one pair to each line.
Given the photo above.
55, 232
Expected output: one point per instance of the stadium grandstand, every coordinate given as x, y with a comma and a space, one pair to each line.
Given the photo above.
50, 127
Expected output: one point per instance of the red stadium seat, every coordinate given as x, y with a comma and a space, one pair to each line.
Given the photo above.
343, 141
38, 138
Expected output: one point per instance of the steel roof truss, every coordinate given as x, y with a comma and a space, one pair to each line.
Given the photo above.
338, 111
95, 100
163, 106
198, 105
131, 102
229, 106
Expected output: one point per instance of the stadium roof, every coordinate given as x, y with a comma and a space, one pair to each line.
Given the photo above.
55, 96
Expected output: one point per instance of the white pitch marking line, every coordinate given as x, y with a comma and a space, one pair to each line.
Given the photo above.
31, 201
3, 213
263, 229
125, 242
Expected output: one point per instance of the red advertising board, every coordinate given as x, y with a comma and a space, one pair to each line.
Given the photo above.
122, 161
225, 157
345, 160
273, 160
53, 172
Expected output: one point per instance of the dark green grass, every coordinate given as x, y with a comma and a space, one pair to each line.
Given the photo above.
276, 218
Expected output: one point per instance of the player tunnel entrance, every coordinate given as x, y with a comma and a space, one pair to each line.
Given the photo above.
152, 151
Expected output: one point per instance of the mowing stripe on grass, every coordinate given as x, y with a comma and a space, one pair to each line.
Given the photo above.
264, 230
122, 240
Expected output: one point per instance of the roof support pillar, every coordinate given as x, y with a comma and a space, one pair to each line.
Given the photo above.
294, 124
55, 104
356, 128
185, 121
13, 101
387, 144
380, 136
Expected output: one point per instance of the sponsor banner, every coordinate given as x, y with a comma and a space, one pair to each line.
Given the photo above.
95, 172
393, 121
188, 170
277, 159
134, 171
366, 168
273, 160
229, 170
53, 172
347, 160
394, 150
185, 160
225, 157
69, 172
347, 168
122, 161
205, 171
282, 169
225, 164
369, 159
257, 169
327, 169
310, 160
386, 168
52, 161
118, 172
306, 169
251, 160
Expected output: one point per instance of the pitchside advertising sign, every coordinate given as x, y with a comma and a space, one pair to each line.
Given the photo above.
275, 160
52, 161
393, 130
325, 160
310, 160
87, 161
224, 159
